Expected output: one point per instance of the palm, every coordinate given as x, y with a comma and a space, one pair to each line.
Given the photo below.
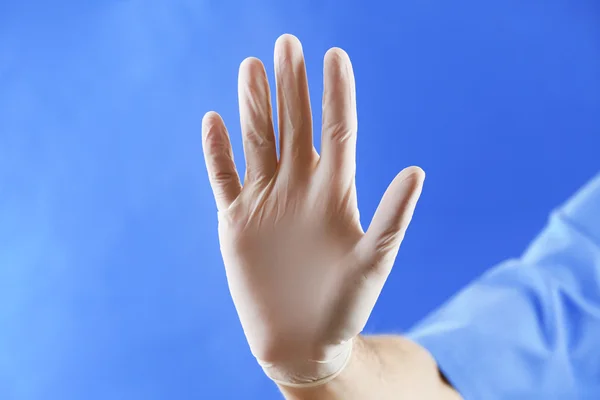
290, 243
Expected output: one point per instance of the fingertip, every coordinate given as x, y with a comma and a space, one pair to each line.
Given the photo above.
210, 119
288, 48
336, 54
214, 134
413, 174
251, 65
288, 40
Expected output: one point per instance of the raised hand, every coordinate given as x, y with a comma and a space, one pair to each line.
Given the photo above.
303, 274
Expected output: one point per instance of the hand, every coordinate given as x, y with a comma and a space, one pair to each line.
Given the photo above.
303, 275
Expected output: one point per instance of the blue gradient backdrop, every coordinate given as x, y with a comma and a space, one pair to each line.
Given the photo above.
111, 283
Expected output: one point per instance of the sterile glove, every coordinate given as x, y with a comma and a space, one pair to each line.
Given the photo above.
302, 273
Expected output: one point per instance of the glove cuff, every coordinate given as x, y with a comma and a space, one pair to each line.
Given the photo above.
309, 373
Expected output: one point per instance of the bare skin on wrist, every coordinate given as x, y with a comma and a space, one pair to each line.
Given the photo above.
388, 367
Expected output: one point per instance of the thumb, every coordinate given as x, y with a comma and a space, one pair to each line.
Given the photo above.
389, 224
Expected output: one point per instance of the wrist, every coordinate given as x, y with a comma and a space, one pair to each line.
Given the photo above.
344, 386
306, 373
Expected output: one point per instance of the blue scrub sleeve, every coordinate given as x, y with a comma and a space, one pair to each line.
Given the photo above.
530, 327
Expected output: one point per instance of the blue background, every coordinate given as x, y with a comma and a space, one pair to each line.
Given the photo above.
111, 282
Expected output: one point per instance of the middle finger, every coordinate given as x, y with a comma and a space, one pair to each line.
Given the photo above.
293, 105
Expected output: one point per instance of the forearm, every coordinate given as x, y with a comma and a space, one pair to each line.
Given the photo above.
382, 367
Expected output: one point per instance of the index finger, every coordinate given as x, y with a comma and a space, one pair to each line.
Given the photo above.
340, 125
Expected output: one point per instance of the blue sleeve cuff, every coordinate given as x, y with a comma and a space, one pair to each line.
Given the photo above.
445, 347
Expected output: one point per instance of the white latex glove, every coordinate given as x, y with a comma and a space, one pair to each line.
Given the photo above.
303, 275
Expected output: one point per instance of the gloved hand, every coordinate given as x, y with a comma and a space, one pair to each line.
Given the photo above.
303, 275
